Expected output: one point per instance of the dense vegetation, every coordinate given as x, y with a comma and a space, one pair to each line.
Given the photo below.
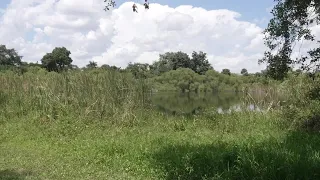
96, 124
174, 71
59, 121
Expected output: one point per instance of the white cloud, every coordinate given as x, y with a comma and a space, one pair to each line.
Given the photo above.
121, 36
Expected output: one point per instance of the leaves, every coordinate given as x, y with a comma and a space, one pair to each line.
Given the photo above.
244, 72
175, 60
226, 72
92, 64
110, 3
58, 60
290, 23
9, 57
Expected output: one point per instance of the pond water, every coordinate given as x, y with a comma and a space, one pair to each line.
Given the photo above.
193, 103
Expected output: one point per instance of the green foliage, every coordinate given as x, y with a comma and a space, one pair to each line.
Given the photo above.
244, 72
10, 60
231, 146
96, 123
9, 57
185, 80
172, 61
96, 94
58, 60
139, 70
92, 64
302, 108
175, 60
107, 67
182, 79
226, 72
290, 23
200, 63
174, 71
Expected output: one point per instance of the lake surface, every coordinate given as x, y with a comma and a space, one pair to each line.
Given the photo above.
192, 103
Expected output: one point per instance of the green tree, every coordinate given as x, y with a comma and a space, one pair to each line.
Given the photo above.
108, 67
183, 79
200, 63
9, 57
139, 70
58, 60
244, 72
91, 65
178, 60
172, 61
226, 72
291, 22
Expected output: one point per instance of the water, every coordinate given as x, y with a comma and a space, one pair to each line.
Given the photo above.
192, 103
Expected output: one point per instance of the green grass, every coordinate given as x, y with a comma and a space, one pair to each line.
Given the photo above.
94, 125
237, 146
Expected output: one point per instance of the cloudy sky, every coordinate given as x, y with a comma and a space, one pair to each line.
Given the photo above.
229, 31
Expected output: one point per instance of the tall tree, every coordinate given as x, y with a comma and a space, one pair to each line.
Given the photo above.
108, 67
291, 22
139, 70
178, 59
226, 72
92, 64
244, 72
9, 57
58, 60
200, 63
172, 61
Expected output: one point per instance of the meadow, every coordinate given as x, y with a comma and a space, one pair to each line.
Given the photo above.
100, 125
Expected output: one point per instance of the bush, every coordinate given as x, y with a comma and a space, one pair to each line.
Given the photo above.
302, 109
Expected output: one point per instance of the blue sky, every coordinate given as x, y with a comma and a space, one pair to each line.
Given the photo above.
250, 10
3, 3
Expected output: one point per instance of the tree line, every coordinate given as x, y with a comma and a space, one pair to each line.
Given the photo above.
59, 60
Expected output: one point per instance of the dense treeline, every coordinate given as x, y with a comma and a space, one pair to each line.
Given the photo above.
177, 71
173, 71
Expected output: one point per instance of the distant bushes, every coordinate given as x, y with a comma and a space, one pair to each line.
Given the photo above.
186, 80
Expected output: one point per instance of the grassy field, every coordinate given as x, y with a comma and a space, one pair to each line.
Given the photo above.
94, 126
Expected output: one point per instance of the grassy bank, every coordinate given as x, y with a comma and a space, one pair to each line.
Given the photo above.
93, 125
237, 146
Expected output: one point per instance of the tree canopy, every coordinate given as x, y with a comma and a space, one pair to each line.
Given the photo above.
58, 60
200, 63
244, 72
139, 70
226, 72
92, 64
290, 24
9, 57
175, 60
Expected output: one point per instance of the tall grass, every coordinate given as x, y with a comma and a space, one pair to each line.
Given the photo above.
302, 106
102, 95
45, 134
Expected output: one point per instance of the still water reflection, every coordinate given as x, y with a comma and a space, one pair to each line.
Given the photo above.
192, 103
